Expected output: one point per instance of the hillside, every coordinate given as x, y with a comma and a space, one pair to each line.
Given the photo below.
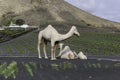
37, 12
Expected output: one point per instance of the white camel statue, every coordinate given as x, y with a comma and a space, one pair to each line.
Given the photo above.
52, 35
66, 53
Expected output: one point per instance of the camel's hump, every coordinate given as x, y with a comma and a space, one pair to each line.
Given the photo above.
50, 27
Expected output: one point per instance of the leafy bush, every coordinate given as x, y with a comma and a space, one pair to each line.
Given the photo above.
55, 66
3, 67
29, 69
20, 22
68, 65
9, 71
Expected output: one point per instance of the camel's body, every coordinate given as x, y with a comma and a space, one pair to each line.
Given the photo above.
52, 35
67, 53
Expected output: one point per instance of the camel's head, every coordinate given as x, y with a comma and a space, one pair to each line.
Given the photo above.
61, 45
76, 31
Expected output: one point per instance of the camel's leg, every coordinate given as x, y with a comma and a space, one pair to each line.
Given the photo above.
52, 50
39, 55
59, 53
44, 49
52, 53
39, 42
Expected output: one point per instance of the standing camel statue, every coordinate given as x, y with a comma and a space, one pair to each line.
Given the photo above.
52, 35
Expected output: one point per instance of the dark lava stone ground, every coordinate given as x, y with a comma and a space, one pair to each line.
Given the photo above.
90, 69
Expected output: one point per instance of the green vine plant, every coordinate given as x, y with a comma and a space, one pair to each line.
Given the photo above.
64, 65
10, 70
29, 69
55, 66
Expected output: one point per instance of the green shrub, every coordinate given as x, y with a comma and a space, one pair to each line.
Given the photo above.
3, 67
11, 70
33, 65
20, 22
29, 69
55, 66
89, 65
94, 65
68, 65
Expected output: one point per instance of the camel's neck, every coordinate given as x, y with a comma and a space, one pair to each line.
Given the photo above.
66, 36
61, 48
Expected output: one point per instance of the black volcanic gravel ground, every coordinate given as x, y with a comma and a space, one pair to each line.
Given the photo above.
107, 71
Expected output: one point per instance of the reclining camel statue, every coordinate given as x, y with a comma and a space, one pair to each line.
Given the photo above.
66, 52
